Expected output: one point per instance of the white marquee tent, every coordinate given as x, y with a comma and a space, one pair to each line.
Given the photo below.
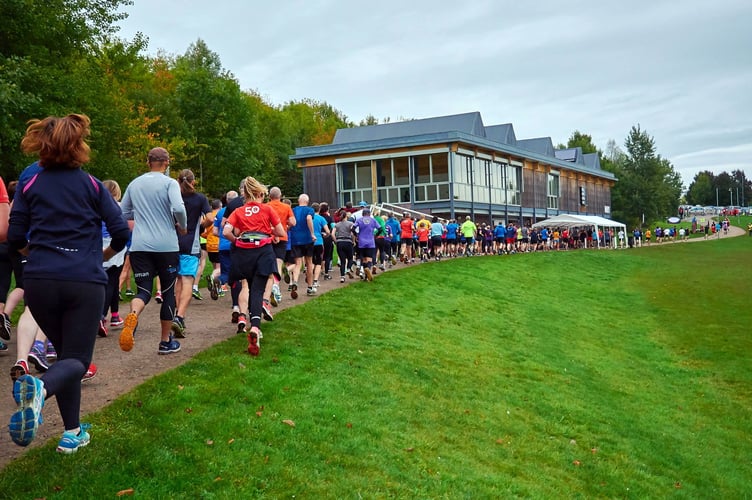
571, 220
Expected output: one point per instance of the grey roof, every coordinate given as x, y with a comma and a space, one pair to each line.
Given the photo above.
571, 154
466, 128
540, 145
592, 160
469, 123
502, 133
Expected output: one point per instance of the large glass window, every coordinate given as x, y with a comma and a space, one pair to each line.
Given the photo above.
431, 177
514, 185
553, 191
355, 181
440, 167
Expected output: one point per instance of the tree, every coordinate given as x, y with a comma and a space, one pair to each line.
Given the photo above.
648, 185
584, 141
701, 191
45, 63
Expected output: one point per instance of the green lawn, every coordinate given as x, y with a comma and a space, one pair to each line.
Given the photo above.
563, 374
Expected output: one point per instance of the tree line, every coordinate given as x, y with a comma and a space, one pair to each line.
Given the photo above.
63, 56
724, 189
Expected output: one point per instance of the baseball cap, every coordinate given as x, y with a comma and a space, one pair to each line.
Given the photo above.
362, 204
158, 154
366, 211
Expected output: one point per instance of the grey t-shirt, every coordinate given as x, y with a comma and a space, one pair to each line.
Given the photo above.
153, 202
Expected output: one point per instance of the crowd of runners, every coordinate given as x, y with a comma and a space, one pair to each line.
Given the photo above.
75, 245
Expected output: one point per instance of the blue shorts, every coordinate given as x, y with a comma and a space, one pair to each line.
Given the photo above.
188, 265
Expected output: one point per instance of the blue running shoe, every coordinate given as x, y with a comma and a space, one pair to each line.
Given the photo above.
169, 346
70, 443
28, 392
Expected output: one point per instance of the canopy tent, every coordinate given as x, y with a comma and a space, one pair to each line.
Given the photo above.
571, 220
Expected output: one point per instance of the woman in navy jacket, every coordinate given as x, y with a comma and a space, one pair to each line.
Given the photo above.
56, 220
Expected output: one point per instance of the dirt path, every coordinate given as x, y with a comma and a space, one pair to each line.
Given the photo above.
208, 323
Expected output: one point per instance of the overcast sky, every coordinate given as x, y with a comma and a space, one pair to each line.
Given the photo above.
682, 70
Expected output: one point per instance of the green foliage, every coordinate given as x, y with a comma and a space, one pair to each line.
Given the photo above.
61, 56
584, 141
708, 188
648, 185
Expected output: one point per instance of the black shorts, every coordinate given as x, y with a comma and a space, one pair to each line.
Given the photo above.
302, 250
280, 249
214, 257
250, 262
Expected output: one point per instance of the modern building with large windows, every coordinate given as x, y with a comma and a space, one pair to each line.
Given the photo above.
451, 166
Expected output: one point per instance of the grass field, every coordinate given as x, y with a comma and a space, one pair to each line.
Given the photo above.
608, 374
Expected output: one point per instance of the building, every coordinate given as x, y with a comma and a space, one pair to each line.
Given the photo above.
451, 166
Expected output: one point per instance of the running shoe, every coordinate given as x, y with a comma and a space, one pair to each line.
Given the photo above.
294, 291
350, 274
158, 297
266, 309
3, 346
129, 293
327, 276
51, 353
20, 368
223, 290
102, 332
4, 326
116, 322
235, 315
169, 346
276, 293
128, 332
70, 442
178, 327
241, 323
342, 279
286, 274
197, 294
91, 372
311, 291
28, 392
368, 274
212, 284
253, 343
38, 359
393, 260
315, 284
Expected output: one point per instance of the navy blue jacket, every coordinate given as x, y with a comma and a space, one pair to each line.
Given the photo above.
61, 210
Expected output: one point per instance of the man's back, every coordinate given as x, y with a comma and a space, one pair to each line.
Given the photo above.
153, 201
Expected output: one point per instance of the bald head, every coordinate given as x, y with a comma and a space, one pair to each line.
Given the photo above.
303, 199
231, 195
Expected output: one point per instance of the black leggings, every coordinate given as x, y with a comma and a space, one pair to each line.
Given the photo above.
112, 291
68, 312
149, 265
345, 255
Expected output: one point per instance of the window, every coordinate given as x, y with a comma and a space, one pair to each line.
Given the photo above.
355, 181
431, 177
553, 191
514, 185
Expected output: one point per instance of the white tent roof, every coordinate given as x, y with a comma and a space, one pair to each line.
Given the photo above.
569, 220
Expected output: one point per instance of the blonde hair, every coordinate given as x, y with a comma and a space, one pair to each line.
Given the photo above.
58, 141
252, 188
114, 188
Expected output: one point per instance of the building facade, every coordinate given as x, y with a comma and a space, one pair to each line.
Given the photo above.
452, 166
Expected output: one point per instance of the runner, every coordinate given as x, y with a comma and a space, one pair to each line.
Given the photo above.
252, 229
153, 202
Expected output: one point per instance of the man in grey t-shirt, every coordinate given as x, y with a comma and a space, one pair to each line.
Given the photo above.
154, 204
